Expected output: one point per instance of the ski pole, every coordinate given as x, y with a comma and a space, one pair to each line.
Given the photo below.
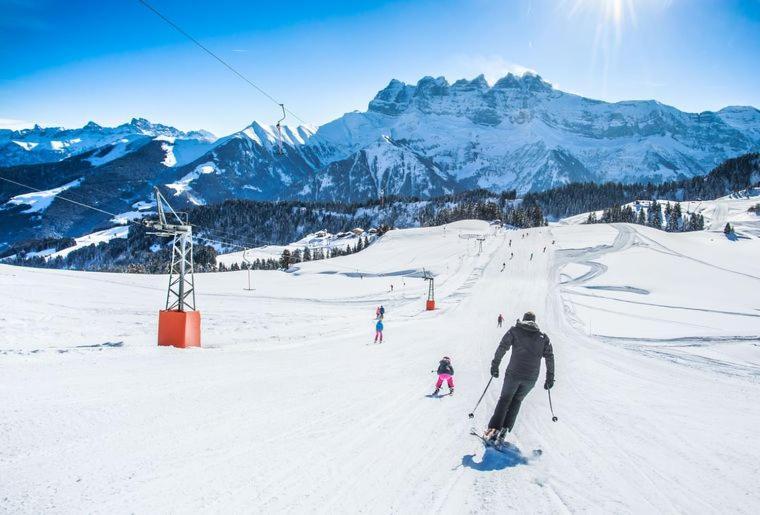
472, 414
554, 418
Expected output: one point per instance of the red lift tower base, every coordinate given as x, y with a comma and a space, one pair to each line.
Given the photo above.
430, 305
179, 328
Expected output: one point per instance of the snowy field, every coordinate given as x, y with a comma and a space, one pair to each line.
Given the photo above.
289, 407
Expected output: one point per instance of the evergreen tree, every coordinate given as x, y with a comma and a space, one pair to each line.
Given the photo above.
655, 214
678, 215
285, 259
642, 217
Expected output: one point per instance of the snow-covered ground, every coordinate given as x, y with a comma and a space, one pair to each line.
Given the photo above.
39, 200
290, 408
94, 238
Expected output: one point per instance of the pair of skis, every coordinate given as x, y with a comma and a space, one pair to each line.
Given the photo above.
504, 447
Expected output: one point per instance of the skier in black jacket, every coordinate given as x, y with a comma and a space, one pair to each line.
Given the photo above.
445, 373
528, 346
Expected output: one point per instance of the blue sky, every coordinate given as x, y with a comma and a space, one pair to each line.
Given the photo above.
65, 63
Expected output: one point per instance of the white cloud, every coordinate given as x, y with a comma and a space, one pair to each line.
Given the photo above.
14, 125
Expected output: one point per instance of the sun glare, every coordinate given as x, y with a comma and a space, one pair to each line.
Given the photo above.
609, 13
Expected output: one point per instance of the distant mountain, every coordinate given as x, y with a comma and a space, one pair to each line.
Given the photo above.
423, 140
522, 133
51, 144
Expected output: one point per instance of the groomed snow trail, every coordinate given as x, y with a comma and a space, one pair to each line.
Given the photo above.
289, 409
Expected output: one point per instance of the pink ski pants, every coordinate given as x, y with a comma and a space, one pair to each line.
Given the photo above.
445, 377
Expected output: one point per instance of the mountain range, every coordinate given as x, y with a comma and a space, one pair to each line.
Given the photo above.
422, 140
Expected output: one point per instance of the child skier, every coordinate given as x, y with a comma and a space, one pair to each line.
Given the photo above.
445, 373
500, 320
379, 330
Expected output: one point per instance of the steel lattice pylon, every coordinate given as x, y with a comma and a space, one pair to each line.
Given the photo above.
181, 293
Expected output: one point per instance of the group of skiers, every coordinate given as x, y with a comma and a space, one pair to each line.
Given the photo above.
529, 346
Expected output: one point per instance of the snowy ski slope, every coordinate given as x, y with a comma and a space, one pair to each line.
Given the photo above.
289, 408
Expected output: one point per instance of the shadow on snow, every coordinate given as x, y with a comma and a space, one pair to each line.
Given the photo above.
509, 456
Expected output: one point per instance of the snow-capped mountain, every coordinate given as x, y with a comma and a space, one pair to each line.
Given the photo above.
51, 144
421, 140
522, 133
384, 167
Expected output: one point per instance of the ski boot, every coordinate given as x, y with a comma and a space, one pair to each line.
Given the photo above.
436, 391
491, 435
501, 437
451, 391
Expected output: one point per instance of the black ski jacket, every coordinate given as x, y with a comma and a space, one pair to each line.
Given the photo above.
444, 367
528, 346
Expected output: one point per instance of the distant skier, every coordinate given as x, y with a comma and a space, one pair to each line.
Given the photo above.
382, 312
544, 250
531, 256
499, 320
379, 331
391, 288
378, 314
445, 373
528, 346
511, 255
503, 266
510, 243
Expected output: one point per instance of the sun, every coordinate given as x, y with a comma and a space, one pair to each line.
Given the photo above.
611, 15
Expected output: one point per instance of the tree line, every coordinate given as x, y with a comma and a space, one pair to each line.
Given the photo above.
671, 218
733, 175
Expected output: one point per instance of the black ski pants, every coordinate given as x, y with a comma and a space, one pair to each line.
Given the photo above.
513, 392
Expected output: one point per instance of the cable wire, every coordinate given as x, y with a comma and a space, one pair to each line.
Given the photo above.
59, 196
114, 215
225, 63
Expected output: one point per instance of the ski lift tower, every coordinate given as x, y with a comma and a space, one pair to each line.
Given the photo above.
248, 266
480, 239
179, 325
430, 304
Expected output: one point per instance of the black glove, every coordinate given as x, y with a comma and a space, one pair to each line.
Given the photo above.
494, 370
549, 383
